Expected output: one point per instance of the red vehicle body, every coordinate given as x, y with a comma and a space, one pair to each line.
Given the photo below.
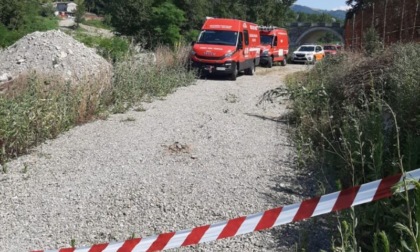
330, 50
226, 46
274, 45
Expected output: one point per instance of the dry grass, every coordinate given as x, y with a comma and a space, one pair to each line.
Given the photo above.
35, 107
172, 58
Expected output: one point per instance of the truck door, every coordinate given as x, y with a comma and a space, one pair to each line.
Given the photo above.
246, 42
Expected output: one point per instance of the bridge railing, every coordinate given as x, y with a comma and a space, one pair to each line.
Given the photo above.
302, 24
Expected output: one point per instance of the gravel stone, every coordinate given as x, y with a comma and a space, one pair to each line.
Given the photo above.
55, 53
181, 163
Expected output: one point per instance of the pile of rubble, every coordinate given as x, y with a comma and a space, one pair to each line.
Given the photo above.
54, 53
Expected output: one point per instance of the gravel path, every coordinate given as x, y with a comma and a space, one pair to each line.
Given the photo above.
204, 154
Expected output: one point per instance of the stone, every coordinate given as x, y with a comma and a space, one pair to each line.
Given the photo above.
48, 52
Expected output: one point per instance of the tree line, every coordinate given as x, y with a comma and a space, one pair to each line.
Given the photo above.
168, 21
153, 22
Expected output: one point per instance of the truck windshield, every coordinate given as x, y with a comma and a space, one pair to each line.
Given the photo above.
218, 38
266, 39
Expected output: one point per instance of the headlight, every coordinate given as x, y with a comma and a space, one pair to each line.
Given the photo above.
229, 54
192, 52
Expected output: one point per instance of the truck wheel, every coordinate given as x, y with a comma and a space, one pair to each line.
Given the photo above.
234, 74
270, 62
284, 62
251, 70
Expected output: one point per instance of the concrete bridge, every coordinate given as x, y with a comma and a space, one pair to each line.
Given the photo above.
303, 33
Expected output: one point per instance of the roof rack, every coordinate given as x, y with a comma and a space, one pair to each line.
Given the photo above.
267, 28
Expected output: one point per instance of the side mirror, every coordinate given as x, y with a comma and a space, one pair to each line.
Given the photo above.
192, 43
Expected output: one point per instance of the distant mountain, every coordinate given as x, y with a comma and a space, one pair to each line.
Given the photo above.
339, 14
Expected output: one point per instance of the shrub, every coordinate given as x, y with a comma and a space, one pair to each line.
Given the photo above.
37, 23
113, 49
136, 77
359, 117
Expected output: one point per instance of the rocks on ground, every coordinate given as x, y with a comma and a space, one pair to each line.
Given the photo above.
54, 53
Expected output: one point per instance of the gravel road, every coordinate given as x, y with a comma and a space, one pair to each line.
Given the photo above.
206, 153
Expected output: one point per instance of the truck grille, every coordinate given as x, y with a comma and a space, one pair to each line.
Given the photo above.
209, 57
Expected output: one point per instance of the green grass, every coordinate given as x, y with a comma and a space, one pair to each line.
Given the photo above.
97, 24
358, 119
113, 49
37, 23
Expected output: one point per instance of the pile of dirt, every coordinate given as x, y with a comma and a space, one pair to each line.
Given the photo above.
54, 53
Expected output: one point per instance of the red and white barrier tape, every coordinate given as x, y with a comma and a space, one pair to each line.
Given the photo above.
337, 201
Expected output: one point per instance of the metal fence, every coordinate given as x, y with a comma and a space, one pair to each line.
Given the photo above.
394, 21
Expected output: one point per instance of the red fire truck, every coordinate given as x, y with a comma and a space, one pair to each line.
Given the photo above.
226, 47
274, 45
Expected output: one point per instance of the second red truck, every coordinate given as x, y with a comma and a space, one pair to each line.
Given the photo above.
274, 45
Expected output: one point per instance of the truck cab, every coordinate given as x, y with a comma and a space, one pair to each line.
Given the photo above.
274, 45
226, 47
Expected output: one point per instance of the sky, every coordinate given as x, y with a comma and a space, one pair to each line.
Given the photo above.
324, 4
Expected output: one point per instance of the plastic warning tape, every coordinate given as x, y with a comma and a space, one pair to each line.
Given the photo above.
337, 201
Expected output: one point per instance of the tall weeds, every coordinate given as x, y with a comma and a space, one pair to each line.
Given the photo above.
359, 119
40, 107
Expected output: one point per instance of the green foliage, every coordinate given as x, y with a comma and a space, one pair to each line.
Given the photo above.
134, 78
151, 22
162, 21
195, 13
381, 242
96, 6
97, 24
18, 18
42, 107
32, 115
12, 13
8, 37
131, 18
113, 49
38, 23
372, 43
360, 118
80, 12
47, 10
166, 21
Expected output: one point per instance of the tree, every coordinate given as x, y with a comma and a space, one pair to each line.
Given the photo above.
166, 21
96, 6
131, 17
80, 12
195, 12
12, 13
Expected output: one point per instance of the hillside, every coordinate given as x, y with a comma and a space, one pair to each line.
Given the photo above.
339, 14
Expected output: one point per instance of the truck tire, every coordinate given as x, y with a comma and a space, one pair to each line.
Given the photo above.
234, 74
251, 70
284, 62
270, 62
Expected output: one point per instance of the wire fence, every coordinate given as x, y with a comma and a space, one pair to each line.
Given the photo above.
393, 20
